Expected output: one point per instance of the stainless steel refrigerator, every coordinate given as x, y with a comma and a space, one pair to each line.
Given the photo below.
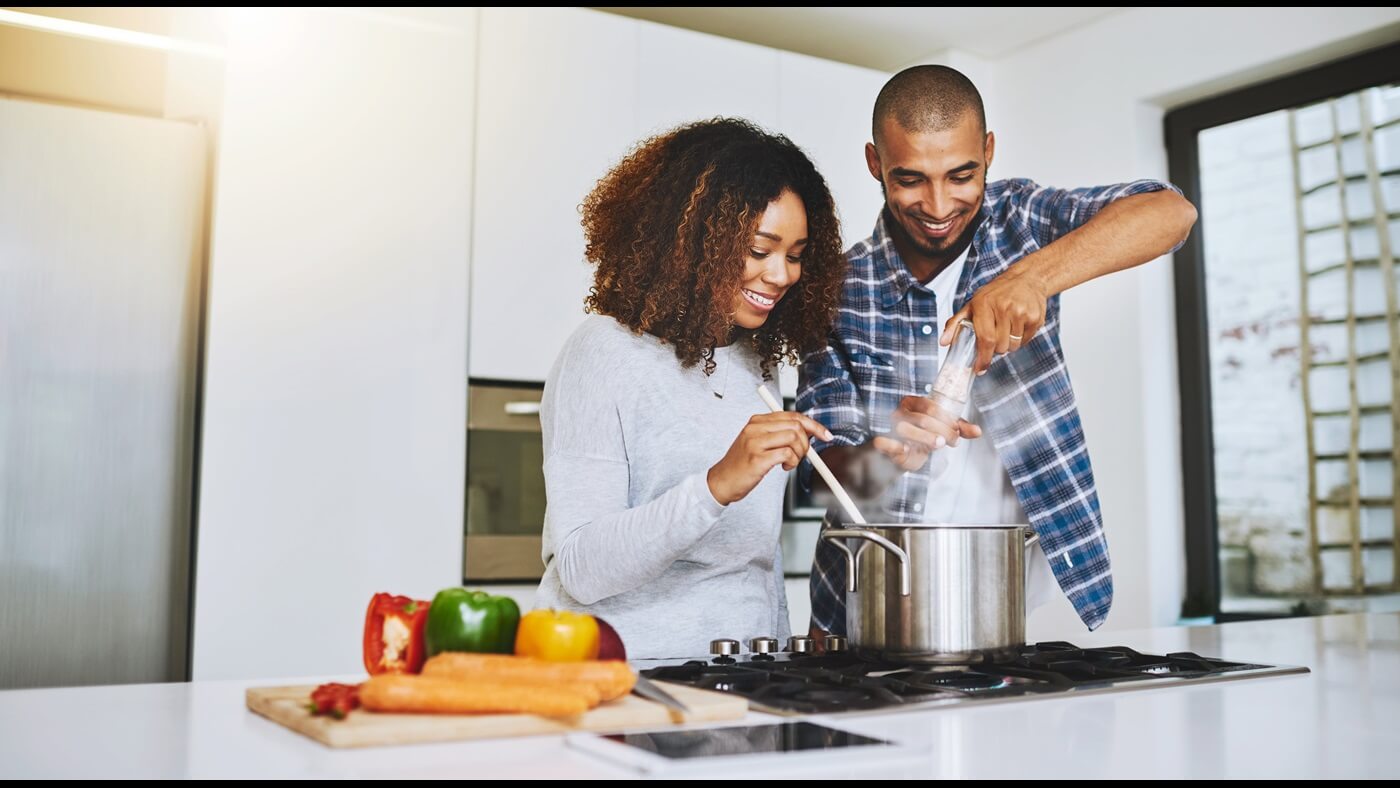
102, 219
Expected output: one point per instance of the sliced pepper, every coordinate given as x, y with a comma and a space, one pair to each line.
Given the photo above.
557, 636
393, 640
337, 700
475, 621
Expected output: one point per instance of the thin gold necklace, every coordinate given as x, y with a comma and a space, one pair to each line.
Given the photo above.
719, 392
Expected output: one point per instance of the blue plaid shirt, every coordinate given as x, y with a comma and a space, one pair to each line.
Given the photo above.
884, 347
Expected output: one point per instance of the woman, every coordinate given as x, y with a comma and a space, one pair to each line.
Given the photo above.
717, 255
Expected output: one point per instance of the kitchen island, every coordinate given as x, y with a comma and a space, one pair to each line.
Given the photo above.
1341, 720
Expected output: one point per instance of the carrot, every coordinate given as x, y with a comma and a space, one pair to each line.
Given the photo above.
612, 677
419, 694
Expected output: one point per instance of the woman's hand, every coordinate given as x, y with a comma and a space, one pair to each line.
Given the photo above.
768, 440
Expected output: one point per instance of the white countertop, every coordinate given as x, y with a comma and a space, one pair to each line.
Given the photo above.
1342, 720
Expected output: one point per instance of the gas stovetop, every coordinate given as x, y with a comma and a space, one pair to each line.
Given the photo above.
794, 682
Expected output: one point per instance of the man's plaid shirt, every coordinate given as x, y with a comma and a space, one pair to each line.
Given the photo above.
884, 347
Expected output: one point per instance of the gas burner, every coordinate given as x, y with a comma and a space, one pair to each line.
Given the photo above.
797, 681
959, 680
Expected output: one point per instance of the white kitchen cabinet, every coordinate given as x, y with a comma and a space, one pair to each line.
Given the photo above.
563, 94
685, 76
335, 355
556, 108
825, 108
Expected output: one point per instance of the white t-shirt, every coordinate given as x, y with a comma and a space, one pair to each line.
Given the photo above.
968, 484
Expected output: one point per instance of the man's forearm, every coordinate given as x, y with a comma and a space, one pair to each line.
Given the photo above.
1124, 234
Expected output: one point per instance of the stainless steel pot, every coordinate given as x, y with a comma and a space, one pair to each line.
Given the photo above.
938, 592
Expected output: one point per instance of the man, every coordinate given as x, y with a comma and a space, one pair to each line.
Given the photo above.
950, 246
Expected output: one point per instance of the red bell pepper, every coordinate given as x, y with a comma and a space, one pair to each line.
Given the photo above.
394, 634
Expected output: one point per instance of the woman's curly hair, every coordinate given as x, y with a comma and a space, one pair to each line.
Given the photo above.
669, 229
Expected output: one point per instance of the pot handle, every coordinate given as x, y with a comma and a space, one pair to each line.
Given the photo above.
835, 534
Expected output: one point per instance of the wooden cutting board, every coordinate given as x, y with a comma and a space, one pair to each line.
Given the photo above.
361, 728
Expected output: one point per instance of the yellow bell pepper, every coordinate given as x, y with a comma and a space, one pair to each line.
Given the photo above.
557, 636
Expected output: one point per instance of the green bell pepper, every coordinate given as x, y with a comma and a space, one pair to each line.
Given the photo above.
462, 620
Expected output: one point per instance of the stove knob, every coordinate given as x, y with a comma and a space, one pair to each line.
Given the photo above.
800, 644
724, 648
835, 643
763, 645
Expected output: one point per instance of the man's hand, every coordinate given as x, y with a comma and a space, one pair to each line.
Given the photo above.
918, 428
1005, 313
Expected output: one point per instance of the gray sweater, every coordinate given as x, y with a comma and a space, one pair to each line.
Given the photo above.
631, 531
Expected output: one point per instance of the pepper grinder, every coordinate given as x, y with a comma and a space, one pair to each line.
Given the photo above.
953, 386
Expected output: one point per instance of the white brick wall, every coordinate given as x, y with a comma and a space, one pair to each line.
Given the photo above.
1251, 249
1253, 287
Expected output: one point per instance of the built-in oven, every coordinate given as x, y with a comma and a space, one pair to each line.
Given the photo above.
506, 493
802, 518
798, 503
505, 483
